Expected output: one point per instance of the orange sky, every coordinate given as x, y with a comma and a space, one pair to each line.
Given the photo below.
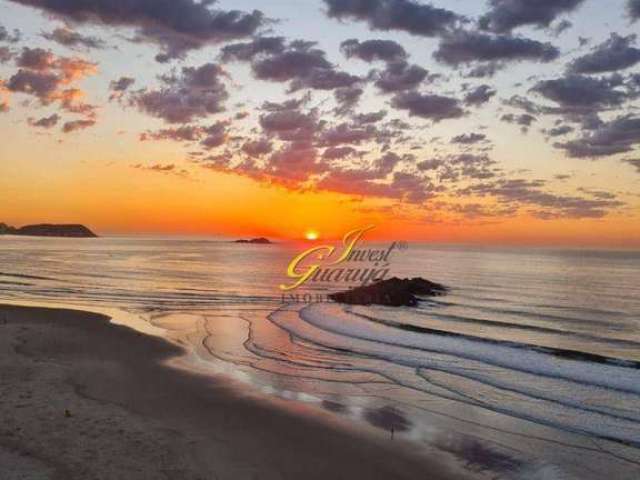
105, 159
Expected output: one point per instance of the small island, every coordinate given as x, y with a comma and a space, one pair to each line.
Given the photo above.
48, 230
394, 292
259, 241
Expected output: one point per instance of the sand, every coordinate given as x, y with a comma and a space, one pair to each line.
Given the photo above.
81, 398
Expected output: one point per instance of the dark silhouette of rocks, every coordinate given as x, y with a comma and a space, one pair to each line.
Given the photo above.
48, 230
394, 292
261, 240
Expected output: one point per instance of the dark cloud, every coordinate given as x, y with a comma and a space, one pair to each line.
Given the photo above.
561, 27
547, 205
9, 37
348, 133
464, 47
186, 133
617, 136
257, 148
403, 186
245, 52
406, 15
46, 122
579, 93
633, 7
216, 135
339, 153
287, 121
160, 168
72, 39
75, 125
433, 107
469, 138
40, 84
479, 95
400, 76
305, 66
347, 98
177, 25
524, 119
505, 15
195, 93
367, 118
616, 53
558, 131
6, 54
371, 50
122, 84
36, 59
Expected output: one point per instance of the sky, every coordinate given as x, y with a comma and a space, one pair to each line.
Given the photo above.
491, 122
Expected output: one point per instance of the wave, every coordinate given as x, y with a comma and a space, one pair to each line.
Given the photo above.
563, 353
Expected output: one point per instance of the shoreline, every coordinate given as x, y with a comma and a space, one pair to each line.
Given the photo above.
87, 398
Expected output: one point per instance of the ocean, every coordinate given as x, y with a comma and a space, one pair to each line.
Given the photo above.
528, 368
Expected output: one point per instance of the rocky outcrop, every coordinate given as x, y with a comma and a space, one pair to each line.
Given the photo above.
48, 230
261, 240
394, 292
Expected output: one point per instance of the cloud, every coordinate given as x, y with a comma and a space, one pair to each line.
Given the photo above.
348, 133
479, 95
347, 98
245, 52
405, 15
400, 76
339, 153
257, 148
505, 15
216, 135
616, 136
6, 36
72, 39
185, 133
633, 7
284, 122
433, 107
372, 50
469, 138
75, 125
177, 25
160, 168
464, 47
42, 85
304, 66
524, 120
196, 92
6, 54
45, 122
547, 205
558, 131
44, 75
579, 93
616, 53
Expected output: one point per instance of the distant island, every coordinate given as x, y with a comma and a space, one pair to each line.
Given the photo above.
261, 240
48, 230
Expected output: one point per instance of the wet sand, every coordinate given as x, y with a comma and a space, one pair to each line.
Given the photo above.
83, 398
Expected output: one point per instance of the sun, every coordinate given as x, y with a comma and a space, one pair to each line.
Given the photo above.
311, 235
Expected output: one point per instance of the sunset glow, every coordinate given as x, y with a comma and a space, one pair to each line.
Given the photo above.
311, 235
223, 134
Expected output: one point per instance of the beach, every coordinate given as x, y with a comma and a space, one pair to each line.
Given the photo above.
83, 398
526, 370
